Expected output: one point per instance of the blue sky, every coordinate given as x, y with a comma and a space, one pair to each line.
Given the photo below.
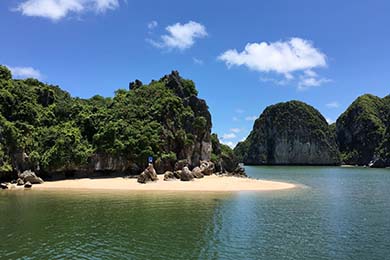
243, 55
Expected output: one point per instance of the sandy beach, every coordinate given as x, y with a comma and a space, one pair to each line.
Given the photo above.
208, 183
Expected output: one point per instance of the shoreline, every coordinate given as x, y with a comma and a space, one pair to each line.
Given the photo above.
211, 183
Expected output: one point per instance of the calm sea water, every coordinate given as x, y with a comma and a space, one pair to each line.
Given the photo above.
337, 213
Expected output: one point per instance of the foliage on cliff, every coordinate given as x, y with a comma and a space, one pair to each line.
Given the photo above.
289, 133
55, 131
363, 130
241, 150
222, 155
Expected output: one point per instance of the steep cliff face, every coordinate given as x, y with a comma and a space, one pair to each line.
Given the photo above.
46, 130
290, 133
196, 125
363, 131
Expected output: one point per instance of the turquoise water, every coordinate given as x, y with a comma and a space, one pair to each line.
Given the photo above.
336, 213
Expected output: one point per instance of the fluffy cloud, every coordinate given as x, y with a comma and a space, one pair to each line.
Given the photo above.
310, 79
181, 36
230, 144
282, 57
333, 104
229, 136
58, 9
25, 72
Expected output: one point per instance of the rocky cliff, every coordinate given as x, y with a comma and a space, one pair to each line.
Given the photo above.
45, 129
290, 133
363, 131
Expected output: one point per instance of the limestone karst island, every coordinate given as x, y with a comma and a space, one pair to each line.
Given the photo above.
194, 130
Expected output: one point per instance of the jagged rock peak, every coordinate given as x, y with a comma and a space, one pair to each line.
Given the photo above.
135, 84
182, 87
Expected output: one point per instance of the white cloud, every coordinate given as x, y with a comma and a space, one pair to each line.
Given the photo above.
235, 130
275, 81
152, 25
229, 143
333, 104
181, 36
250, 118
197, 61
234, 118
58, 9
229, 136
25, 72
103, 5
310, 73
306, 81
282, 57
330, 121
239, 111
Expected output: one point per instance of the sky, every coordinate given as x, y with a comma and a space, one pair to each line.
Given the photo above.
242, 55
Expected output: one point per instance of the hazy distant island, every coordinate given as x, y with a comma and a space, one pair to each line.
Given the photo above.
46, 131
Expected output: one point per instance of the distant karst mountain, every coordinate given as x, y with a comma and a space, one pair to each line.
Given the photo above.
290, 133
294, 133
363, 131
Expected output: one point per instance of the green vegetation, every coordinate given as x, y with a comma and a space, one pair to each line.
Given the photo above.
363, 130
58, 132
241, 150
362, 133
289, 133
223, 156
43, 128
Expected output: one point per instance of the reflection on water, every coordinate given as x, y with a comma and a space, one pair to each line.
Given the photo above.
340, 213
105, 224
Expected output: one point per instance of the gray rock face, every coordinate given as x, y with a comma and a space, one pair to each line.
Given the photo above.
207, 167
104, 162
177, 174
28, 185
186, 175
291, 133
199, 125
197, 173
239, 172
169, 176
179, 165
29, 176
148, 175
19, 182
20, 161
3, 186
164, 165
378, 163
